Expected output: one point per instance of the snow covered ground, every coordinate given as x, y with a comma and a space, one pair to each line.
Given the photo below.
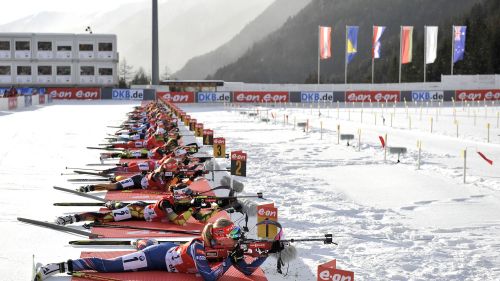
391, 221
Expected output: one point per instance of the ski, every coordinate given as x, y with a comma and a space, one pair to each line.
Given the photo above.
80, 193
58, 227
86, 180
100, 174
80, 204
104, 164
103, 225
118, 242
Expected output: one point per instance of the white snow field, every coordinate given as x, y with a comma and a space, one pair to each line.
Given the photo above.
391, 221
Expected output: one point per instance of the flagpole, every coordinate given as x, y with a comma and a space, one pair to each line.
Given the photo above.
373, 50
452, 46
319, 47
425, 51
345, 57
400, 48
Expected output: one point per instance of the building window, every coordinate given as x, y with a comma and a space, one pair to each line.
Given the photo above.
44, 46
63, 48
105, 47
105, 71
87, 70
44, 70
4, 69
63, 70
4, 46
24, 70
86, 47
22, 45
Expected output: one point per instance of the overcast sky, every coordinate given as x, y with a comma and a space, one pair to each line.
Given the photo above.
13, 10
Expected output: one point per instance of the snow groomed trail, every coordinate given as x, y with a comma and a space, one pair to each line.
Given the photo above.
392, 222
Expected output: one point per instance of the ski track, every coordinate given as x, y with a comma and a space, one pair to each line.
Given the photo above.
375, 243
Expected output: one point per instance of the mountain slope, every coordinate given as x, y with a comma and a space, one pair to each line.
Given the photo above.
290, 53
187, 28
267, 22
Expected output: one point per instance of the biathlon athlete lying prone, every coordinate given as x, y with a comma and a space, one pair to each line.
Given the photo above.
185, 258
176, 207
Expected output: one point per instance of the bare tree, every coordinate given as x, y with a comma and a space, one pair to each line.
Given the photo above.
125, 72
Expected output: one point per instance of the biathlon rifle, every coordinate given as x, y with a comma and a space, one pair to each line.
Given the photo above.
224, 202
264, 247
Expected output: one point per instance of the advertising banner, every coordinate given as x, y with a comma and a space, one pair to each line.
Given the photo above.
373, 96
12, 103
329, 272
213, 97
475, 95
41, 99
427, 95
176, 97
127, 94
260, 97
24, 91
27, 101
316, 96
75, 93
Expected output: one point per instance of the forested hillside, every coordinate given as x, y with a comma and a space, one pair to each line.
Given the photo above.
289, 55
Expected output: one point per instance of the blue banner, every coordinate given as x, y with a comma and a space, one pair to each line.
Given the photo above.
213, 97
352, 42
316, 96
127, 94
427, 95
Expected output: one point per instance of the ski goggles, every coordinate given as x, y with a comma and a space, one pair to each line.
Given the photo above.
231, 231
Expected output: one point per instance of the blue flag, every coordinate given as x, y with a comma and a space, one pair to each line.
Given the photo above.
458, 42
352, 42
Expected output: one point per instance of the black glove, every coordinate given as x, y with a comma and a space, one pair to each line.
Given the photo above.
197, 202
86, 188
236, 255
277, 247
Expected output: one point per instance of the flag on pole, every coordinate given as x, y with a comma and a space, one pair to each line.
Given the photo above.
377, 33
485, 158
458, 42
431, 37
382, 141
325, 42
406, 44
352, 42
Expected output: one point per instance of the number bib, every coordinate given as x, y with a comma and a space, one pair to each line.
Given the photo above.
144, 166
173, 258
138, 144
144, 183
134, 261
136, 154
149, 213
126, 183
121, 214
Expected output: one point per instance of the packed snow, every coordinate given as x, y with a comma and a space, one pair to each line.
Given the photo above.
392, 221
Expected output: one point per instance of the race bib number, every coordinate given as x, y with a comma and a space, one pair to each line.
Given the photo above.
138, 144
134, 261
173, 258
121, 214
137, 154
144, 183
144, 166
149, 213
126, 183
135, 137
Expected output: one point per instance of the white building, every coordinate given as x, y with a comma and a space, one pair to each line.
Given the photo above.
51, 59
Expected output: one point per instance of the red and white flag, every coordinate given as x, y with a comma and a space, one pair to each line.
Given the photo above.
485, 158
325, 42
